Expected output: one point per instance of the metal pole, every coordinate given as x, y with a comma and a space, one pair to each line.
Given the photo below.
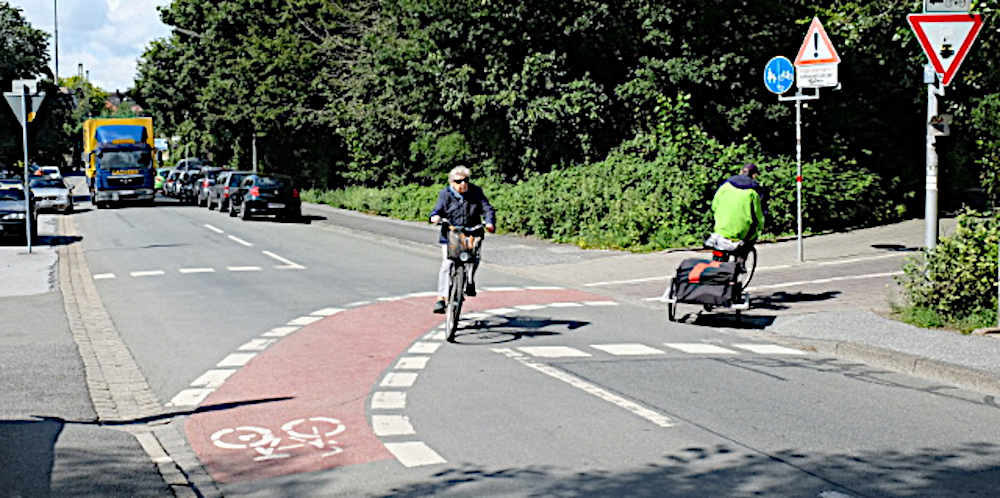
27, 189
254, 148
931, 198
55, 14
798, 175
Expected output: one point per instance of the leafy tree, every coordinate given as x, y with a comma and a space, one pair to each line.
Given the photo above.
23, 54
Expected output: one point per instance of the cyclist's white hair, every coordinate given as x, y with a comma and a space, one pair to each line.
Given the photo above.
459, 170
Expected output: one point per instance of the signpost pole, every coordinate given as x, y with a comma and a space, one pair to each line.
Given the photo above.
931, 197
798, 175
27, 188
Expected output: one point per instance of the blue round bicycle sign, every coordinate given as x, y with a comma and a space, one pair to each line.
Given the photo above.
779, 75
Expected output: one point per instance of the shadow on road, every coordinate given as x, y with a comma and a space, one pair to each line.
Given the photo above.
500, 329
780, 300
895, 247
27, 454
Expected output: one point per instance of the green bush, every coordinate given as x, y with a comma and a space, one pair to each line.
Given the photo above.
954, 284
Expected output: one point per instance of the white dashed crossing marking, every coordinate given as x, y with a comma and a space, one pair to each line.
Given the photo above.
769, 349
239, 241
414, 454
389, 400
392, 425
554, 352
698, 348
150, 273
627, 349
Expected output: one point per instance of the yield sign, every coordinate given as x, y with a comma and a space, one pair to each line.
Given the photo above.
816, 48
946, 39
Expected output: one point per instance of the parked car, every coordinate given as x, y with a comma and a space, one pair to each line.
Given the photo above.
188, 184
226, 183
13, 220
161, 179
52, 193
209, 175
190, 163
48, 172
268, 195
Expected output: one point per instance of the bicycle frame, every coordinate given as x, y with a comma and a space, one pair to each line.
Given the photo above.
463, 250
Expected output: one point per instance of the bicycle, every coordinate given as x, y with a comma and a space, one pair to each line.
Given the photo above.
463, 250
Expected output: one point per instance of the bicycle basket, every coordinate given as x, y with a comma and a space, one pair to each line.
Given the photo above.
463, 247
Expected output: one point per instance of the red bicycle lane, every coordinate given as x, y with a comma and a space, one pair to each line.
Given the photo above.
300, 405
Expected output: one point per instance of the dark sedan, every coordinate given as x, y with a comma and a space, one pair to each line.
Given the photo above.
13, 221
266, 195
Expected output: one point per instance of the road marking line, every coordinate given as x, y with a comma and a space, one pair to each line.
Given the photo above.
623, 282
257, 344
305, 320
824, 280
326, 312
500, 311
631, 406
565, 305
212, 378
627, 349
104, 276
197, 270
236, 360
698, 348
542, 287
280, 331
421, 294
476, 316
424, 348
414, 454
601, 303
392, 425
554, 352
357, 304
151, 273
190, 397
289, 265
769, 349
243, 268
239, 241
856, 260
399, 379
530, 307
214, 229
389, 400
412, 363
501, 289
437, 335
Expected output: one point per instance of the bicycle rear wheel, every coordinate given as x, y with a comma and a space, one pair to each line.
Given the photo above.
455, 297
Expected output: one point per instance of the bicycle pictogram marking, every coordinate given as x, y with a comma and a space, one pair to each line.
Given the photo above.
299, 433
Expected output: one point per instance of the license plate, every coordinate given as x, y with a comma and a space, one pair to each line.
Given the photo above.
275, 205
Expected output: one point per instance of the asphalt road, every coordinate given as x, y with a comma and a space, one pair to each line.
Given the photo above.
301, 359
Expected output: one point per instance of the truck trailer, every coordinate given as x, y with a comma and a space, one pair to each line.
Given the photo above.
119, 160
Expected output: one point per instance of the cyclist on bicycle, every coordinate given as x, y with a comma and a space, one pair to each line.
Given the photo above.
738, 211
462, 204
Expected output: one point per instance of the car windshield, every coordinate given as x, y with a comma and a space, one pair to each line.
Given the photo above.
124, 159
270, 181
47, 183
11, 194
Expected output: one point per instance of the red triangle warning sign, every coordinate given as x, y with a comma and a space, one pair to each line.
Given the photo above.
946, 39
816, 48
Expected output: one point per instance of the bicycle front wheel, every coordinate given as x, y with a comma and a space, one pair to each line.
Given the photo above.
455, 297
751, 266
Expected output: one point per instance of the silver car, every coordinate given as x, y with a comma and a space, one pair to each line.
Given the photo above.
52, 193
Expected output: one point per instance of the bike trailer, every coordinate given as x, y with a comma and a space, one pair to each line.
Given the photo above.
713, 283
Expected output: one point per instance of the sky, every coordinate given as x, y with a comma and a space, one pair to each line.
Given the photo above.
106, 36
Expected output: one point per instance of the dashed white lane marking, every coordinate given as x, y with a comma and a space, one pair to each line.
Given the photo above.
239, 241
769, 349
824, 280
631, 406
412, 363
399, 379
857, 260
627, 349
392, 425
214, 229
625, 282
424, 347
326, 312
305, 320
104, 276
150, 273
197, 270
698, 348
530, 307
236, 360
244, 268
389, 400
414, 454
257, 344
554, 352
280, 331
191, 397
288, 265
212, 378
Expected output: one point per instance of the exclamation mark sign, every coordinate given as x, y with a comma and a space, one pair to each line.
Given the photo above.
816, 44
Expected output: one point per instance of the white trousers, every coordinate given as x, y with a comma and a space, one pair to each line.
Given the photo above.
445, 273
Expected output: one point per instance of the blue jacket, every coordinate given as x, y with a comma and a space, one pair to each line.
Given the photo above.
464, 210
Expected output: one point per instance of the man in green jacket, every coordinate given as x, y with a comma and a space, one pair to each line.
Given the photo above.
738, 211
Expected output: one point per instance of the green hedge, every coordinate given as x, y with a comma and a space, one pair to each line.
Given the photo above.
955, 283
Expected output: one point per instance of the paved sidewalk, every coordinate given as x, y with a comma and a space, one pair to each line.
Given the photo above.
857, 332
